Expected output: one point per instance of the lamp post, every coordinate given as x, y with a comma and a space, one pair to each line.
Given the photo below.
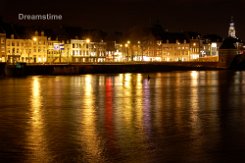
126, 45
139, 51
87, 46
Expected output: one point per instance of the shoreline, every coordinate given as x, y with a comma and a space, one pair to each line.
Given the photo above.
24, 69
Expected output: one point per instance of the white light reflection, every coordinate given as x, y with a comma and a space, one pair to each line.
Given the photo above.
127, 80
194, 78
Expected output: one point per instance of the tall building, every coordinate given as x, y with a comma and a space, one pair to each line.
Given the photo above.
232, 31
230, 47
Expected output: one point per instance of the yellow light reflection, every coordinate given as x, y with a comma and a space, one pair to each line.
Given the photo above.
159, 103
88, 87
89, 136
139, 103
194, 78
127, 80
35, 136
194, 102
36, 101
139, 81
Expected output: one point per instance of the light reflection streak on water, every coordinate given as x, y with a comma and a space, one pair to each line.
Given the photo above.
127, 99
109, 118
108, 107
36, 137
89, 136
158, 100
194, 101
139, 102
146, 107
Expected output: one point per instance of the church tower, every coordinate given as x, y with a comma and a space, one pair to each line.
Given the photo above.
229, 48
232, 31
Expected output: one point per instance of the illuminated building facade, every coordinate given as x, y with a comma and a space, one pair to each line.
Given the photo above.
178, 51
18, 50
2, 47
41, 49
27, 50
39, 45
53, 50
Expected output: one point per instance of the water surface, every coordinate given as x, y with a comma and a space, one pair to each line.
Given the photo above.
188, 116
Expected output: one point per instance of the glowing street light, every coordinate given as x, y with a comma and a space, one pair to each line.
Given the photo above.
34, 39
126, 45
87, 40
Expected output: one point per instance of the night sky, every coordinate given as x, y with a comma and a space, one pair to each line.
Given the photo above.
207, 17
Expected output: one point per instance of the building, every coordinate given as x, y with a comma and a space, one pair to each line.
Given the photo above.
175, 51
27, 50
18, 50
230, 47
2, 47
39, 47
86, 51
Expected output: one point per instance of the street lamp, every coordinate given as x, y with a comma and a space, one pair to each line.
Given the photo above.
126, 45
88, 41
35, 40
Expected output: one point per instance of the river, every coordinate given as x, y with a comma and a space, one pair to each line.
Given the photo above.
179, 116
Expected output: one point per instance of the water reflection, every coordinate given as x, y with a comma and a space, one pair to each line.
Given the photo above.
184, 116
90, 140
36, 138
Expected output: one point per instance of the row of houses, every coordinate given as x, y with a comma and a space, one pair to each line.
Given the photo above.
39, 48
42, 49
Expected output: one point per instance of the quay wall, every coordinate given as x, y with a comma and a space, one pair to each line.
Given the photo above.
90, 68
71, 69
2, 69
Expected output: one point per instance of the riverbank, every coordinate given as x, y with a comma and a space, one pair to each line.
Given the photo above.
23, 69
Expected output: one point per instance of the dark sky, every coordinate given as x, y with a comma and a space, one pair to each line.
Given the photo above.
209, 16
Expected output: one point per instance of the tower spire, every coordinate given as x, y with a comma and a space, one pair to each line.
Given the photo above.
232, 31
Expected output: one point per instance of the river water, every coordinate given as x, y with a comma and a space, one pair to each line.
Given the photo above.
185, 116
